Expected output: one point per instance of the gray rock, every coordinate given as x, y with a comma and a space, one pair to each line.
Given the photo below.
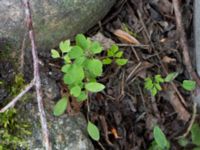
66, 132
54, 20
50, 88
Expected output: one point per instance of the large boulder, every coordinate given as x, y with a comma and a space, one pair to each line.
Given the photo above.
54, 20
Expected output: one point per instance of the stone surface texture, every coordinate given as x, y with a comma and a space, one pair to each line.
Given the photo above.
54, 20
66, 132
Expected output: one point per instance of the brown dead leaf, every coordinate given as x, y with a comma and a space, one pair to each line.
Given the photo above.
168, 60
173, 98
126, 37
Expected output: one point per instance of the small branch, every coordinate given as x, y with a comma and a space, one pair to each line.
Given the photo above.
12, 103
191, 122
184, 43
43, 120
192, 119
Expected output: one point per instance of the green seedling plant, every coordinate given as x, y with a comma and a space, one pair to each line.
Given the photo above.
153, 84
81, 69
160, 141
194, 138
114, 55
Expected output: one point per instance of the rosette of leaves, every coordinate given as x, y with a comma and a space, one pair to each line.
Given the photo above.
153, 84
81, 69
114, 54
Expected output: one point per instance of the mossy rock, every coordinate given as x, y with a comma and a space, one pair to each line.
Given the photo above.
54, 20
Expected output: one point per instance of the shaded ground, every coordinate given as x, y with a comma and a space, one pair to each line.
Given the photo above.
126, 112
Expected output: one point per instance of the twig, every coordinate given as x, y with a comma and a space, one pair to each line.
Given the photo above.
191, 121
43, 121
133, 71
183, 42
135, 53
12, 103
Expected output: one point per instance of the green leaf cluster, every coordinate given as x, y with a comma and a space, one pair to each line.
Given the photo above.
81, 68
160, 141
114, 54
153, 83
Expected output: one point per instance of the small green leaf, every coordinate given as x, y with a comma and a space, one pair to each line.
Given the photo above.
121, 62
160, 138
154, 91
148, 84
75, 91
189, 85
107, 61
93, 131
82, 41
60, 107
65, 68
76, 52
195, 131
83, 96
65, 46
67, 59
170, 77
75, 75
55, 54
110, 53
94, 86
158, 87
159, 79
119, 54
95, 66
96, 47
80, 60
183, 142
114, 48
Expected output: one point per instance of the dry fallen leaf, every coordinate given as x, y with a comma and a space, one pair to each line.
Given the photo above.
126, 37
168, 60
174, 100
